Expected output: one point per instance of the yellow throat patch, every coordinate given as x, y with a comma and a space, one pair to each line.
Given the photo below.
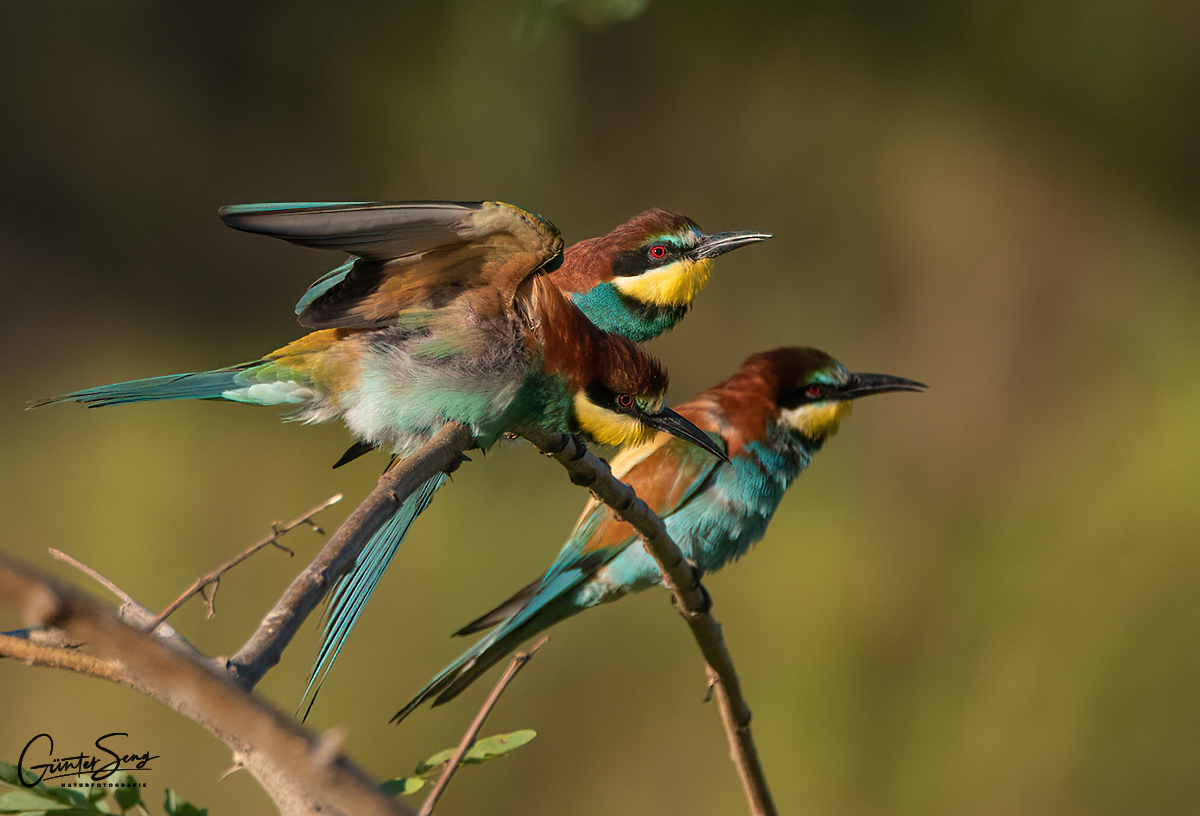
675, 284
819, 419
608, 427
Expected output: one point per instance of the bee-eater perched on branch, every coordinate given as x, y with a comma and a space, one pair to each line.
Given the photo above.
640, 279
444, 314
771, 417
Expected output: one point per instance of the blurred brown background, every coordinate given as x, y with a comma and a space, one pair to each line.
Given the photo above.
981, 600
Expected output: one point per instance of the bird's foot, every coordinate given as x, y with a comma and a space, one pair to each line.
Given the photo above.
706, 601
581, 447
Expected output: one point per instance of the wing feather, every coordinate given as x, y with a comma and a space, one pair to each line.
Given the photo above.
408, 255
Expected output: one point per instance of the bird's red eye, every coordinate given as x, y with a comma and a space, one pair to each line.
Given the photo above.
658, 252
814, 391
625, 401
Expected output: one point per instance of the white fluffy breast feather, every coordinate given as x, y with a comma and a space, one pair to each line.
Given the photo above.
402, 399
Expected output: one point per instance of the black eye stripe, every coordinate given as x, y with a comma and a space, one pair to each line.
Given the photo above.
795, 397
606, 398
634, 262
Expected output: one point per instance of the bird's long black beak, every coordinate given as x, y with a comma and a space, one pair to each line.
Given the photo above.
863, 385
674, 424
719, 243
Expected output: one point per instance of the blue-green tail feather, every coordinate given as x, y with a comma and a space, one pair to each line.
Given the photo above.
467, 661
352, 591
200, 385
553, 601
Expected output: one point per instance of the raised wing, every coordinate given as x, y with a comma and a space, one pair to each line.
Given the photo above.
419, 254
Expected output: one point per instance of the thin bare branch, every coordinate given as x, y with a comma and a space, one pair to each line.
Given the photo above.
131, 611
121, 594
442, 454
213, 577
518, 662
691, 599
302, 772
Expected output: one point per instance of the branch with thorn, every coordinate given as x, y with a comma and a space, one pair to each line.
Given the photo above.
303, 773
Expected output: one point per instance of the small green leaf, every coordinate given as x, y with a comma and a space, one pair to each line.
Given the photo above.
127, 793
8, 774
21, 801
174, 806
402, 786
489, 748
67, 796
93, 794
63, 801
437, 760
483, 750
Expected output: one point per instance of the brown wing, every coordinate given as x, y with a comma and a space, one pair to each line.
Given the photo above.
665, 474
409, 255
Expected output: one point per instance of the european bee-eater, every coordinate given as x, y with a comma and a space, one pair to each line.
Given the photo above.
640, 279
444, 314
637, 281
771, 417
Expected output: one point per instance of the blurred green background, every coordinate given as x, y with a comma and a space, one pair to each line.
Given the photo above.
981, 600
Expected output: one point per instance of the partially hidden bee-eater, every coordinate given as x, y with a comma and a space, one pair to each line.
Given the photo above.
637, 281
445, 313
771, 417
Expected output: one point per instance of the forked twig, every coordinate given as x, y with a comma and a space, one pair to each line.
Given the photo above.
213, 577
518, 662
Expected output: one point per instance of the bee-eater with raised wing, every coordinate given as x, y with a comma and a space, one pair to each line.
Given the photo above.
444, 314
771, 417
639, 280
